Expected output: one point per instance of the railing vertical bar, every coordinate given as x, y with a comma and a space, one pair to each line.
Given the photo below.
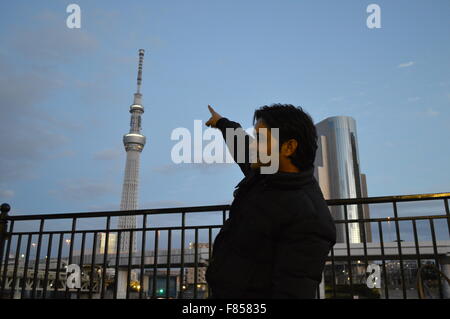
130, 261
224, 216
209, 253
318, 291
58, 265
399, 246
155, 264
144, 226
3, 239
349, 260
196, 264
37, 257
383, 261
72, 240
183, 225
6, 262
91, 279
16, 264
169, 247
105, 257
25, 269
116, 271
447, 212
83, 241
364, 239
333, 271
47, 264
436, 258
416, 244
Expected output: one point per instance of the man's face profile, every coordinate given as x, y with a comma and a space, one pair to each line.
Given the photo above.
261, 146
265, 152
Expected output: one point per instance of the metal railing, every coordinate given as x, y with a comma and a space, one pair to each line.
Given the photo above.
178, 271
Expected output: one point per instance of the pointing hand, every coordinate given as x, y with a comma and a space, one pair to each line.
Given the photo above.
214, 117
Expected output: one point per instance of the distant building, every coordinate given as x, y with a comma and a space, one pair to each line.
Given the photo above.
337, 170
202, 251
101, 243
190, 275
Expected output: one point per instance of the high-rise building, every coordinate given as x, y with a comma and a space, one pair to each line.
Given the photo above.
134, 143
338, 173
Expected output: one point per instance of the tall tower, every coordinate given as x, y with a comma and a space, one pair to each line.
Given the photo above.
134, 143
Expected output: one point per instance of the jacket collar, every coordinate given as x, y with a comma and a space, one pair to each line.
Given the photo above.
285, 180
280, 180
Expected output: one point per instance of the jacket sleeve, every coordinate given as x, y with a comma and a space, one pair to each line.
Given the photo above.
300, 255
242, 159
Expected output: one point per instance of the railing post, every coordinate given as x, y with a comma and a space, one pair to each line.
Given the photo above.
445, 266
3, 229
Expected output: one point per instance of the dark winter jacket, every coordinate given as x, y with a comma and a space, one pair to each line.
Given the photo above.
276, 239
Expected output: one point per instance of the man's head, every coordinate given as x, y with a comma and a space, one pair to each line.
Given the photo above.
296, 140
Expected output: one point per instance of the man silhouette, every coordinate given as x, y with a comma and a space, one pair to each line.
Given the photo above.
280, 230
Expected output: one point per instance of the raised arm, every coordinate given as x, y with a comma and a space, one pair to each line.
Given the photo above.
232, 140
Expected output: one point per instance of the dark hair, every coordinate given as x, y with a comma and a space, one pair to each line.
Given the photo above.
293, 123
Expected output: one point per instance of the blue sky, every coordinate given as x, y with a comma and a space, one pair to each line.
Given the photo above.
65, 93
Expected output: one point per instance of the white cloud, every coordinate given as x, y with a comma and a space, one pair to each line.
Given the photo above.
407, 64
201, 167
431, 112
413, 99
84, 189
6, 193
62, 154
337, 99
107, 154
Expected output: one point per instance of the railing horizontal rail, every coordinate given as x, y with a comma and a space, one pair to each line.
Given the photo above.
216, 208
167, 228
390, 219
112, 230
387, 199
153, 211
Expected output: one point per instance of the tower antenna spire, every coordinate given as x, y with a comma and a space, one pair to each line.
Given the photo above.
141, 62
